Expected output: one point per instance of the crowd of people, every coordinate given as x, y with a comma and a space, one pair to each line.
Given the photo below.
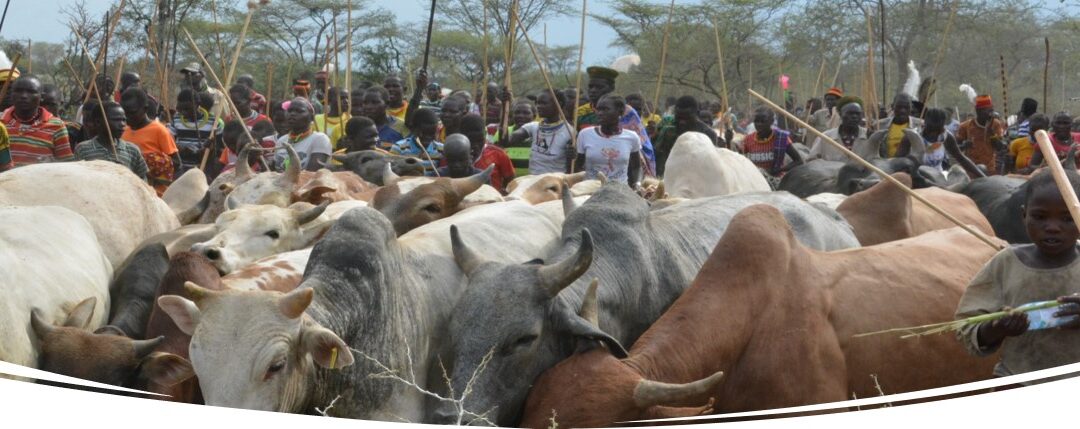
624, 137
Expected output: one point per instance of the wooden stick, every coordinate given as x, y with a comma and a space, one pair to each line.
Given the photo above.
1004, 86
577, 86
723, 81
1051, 159
228, 100
487, 68
348, 52
217, 35
101, 102
269, 87
119, 71
663, 54
817, 83
7, 83
427, 42
871, 84
288, 80
839, 65
885, 176
101, 54
508, 82
547, 81
1046, 76
941, 47
252, 6
29, 56
75, 75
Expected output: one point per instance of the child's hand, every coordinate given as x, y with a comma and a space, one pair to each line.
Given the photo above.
996, 331
1070, 311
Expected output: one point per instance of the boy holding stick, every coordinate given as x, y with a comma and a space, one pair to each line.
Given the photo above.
1046, 269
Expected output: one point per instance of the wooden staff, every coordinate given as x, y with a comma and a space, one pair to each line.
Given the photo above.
871, 83
1004, 86
941, 47
720, 61
252, 6
427, 41
101, 102
331, 78
817, 83
577, 87
1067, 191
508, 82
228, 100
7, 83
29, 56
75, 75
101, 54
348, 51
885, 176
487, 68
269, 86
119, 71
217, 35
1046, 75
547, 81
663, 54
288, 80
839, 65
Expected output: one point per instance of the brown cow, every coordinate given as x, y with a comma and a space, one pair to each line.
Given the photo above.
535, 189
326, 186
184, 267
886, 213
778, 320
70, 349
409, 203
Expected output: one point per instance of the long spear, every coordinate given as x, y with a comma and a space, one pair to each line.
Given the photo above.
503, 124
427, 42
577, 87
663, 54
978, 234
487, 67
4, 17
1046, 75
1004, 85
269, 86
348, 50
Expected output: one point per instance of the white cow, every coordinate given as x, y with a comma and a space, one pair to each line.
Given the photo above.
697, 169
535, 189
247, 233
51, 262
188, 196
123, 210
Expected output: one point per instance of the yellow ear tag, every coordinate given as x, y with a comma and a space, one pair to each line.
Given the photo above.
333, 358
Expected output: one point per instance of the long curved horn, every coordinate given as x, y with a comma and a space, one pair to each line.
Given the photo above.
465, 258
648, 393
41, 327
197, 293
568, 203
291, 176
468, 185
575, 178
243, 169
303, 217
590, 309
192, 214
554, 278
389, 178
143, 348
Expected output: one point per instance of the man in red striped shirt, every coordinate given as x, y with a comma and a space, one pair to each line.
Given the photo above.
36, 135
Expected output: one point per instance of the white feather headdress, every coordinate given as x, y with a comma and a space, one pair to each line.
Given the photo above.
911, 86
969, 92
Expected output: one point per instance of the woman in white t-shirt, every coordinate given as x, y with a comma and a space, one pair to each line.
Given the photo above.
550, 151
313, 147
609, 149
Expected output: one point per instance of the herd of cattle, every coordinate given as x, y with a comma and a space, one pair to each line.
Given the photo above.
439, 300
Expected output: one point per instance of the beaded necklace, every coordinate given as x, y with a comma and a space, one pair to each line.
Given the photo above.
296, 138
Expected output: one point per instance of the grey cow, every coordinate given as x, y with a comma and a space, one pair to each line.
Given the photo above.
368, 298
525, 315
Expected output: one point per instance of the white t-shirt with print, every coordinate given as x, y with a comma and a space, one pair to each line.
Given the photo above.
609, 155
315, 143
549, 144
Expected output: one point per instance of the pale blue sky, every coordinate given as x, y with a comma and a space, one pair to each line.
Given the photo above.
36, 19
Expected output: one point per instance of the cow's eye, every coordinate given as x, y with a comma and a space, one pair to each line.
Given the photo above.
272, 234
275, 368
433, 208
554, 189
521, 342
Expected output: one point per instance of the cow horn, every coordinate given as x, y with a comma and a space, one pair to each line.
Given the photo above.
466, 259
600, 176
192, 214
80, 315
389, 177
648, 393
303, 217
590, 309
243, 169
554, 278
291, 176
294, 303
231, 203
575, 178
143, 348
41, 327
568, 203
196, 292
468, 185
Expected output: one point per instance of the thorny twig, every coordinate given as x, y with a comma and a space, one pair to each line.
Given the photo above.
459, 403
323, 411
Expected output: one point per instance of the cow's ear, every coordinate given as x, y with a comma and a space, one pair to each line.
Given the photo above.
167, 369
585, 332
182, 311
82, 313
326, 348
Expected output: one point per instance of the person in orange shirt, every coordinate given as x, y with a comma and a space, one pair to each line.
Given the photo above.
982, 137
153, 139
1022, 148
